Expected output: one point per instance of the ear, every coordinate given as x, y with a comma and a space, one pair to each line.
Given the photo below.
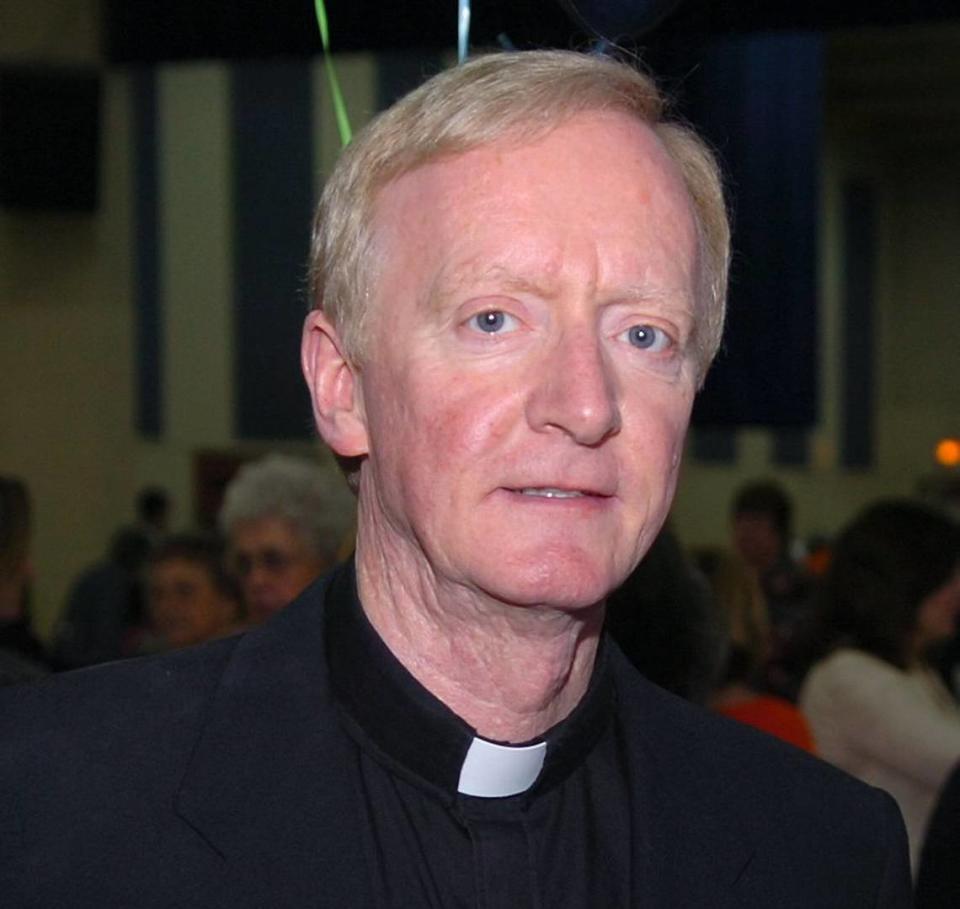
334, 388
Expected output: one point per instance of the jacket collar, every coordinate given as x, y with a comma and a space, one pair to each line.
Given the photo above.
261, 781
701, 826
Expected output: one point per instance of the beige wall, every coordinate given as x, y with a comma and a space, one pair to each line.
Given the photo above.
65, 350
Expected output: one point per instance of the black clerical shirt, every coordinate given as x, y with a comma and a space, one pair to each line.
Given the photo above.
563, 841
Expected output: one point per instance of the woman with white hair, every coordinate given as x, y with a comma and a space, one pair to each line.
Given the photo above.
284, 519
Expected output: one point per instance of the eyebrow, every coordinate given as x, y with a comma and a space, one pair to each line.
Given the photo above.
448, 283
643, 293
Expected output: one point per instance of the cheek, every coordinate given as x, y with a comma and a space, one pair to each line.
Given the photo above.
658, 430
441, 421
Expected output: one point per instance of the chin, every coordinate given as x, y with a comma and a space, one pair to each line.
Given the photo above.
563, 583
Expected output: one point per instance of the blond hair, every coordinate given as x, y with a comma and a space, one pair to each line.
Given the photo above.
738, 595
517, 95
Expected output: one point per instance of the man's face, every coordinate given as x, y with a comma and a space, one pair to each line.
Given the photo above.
531, 367
273, 564
756, 539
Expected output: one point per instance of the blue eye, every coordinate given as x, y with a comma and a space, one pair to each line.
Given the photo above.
648, 337
493, 321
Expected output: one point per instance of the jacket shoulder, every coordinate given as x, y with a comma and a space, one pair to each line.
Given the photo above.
66, 734
797, 831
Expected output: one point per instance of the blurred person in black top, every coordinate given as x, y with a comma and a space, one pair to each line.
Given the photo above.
762, 528
938, 877
22, 656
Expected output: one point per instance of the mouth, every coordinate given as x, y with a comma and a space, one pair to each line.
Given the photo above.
546, 492
557, 493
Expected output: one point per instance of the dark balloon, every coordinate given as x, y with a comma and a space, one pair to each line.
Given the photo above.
616, 19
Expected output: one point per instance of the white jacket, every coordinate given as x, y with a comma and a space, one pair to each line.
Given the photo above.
899, 731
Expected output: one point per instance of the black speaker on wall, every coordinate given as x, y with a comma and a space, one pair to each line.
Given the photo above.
49, 138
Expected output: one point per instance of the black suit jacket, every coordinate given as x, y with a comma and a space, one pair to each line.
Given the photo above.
216, 776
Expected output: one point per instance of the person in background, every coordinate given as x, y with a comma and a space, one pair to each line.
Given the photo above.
762, 528
739, 600
190, 596
283, 520
153, 514
876, 707
104, 607
663, 621
22, 656
938, 876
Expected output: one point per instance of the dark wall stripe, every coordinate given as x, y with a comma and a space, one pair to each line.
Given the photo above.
791, 447
760, 103
147, 294
272, 183
713, 446
398, 72
857, 370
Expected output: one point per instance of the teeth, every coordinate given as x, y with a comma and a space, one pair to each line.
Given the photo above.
551, 493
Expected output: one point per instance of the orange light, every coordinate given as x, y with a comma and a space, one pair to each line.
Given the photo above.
947, 452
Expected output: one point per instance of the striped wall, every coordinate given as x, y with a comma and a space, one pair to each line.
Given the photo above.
229, 161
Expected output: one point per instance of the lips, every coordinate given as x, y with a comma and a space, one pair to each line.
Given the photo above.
558, 493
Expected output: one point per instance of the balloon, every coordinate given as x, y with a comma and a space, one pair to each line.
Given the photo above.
613, 19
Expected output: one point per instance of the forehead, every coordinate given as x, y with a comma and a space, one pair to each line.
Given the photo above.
179, 567
601, 184
269, 530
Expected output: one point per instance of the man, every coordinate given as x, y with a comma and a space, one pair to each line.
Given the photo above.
283, 524
519, 277
104, 606
762, 525
153, 514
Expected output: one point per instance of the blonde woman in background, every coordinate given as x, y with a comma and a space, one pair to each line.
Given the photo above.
737, 595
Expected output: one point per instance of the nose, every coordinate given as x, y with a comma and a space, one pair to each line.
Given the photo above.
575, 391
257, 578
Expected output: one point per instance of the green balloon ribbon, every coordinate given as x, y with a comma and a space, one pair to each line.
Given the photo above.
340, 108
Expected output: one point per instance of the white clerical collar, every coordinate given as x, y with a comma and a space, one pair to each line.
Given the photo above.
495, 771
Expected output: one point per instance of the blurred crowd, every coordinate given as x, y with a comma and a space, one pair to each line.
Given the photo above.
848, 648
280, 527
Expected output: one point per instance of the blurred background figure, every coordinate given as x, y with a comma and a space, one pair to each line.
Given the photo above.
190, 596
762, 529
104, 607
283, 520
153, 514
938, 877
663, 621
875, 706
21, 655
739, 694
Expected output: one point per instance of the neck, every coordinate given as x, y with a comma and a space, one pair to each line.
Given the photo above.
511, 672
